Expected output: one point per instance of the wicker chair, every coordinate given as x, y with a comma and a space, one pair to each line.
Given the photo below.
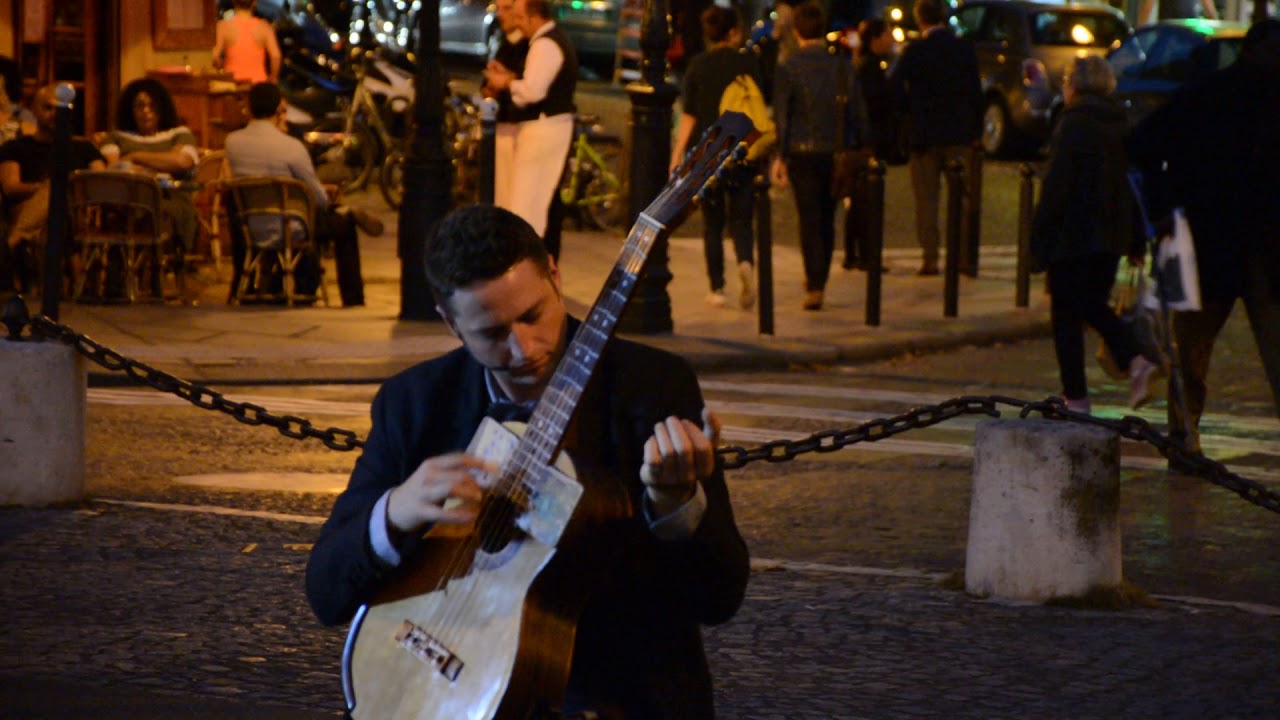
275, 223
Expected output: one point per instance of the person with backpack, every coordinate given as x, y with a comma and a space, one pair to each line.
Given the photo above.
705, 82
819, 109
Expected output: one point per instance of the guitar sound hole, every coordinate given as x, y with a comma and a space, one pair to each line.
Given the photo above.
497, 523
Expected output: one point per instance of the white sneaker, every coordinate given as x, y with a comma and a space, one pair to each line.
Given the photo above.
715, 298
747, 275
1079, 406
1141, 371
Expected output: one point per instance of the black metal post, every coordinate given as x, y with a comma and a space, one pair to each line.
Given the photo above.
973, 212
764, 253
951, 273
652, 96
51, 291
428, 174
875, 238
1026, 205
488, 134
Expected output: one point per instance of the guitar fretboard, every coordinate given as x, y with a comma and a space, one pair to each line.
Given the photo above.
547, 426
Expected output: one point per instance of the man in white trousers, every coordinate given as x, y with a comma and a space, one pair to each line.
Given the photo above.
510, 54
543, 112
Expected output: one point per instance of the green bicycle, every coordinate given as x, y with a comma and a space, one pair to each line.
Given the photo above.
592, 187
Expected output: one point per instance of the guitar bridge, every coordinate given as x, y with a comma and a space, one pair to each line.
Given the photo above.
429, 650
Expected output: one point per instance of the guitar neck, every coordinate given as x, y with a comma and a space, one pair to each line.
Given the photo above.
550, 419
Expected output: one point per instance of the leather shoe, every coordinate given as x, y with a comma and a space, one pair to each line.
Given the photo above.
928, 270
366, 221
813, 300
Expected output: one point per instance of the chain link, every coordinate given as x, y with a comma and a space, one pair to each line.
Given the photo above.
734, 456
202, 397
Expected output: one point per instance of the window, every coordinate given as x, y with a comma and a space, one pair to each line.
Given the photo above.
1076, 29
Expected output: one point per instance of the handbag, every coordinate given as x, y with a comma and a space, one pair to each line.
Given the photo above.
1177, 276
1144, 323
846, 163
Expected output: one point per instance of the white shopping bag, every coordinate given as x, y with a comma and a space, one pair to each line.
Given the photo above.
1174, 271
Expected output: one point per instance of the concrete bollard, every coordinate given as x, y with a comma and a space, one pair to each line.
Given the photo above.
1043, 520
42, 419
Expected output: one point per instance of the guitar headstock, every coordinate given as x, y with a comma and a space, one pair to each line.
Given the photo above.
721, 147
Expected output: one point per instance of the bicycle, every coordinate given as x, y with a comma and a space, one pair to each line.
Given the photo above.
349, 155
462, 142
590, 187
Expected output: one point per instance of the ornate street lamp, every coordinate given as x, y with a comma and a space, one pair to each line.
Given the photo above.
651, 99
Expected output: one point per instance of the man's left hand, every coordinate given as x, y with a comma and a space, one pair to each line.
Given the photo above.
677, 457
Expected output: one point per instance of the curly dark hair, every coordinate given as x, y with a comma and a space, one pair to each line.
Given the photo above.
478, 242
165, 110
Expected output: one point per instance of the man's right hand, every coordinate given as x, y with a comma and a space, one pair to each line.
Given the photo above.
444, 489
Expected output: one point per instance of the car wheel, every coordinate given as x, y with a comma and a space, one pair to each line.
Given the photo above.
995, 128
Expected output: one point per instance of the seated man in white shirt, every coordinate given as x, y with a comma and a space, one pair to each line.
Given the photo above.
263, 149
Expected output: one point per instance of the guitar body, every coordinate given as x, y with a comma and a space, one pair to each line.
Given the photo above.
451, 642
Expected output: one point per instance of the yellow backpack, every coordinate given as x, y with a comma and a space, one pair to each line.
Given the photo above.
743, 95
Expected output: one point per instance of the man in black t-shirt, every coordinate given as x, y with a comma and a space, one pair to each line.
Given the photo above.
704, 84
25, 165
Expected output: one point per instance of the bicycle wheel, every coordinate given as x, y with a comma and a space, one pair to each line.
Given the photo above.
349, 163
604, 203
391, 180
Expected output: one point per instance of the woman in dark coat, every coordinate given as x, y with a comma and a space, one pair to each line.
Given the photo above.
1085, 221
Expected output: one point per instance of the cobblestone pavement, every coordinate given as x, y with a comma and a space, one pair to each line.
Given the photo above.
210, 607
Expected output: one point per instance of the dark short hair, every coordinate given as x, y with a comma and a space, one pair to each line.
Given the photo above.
930, 12
540, 8
165, 110
717, 22
478, 242
264, 100
870, 29
809, 21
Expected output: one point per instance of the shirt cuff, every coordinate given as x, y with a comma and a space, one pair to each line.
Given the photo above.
681, 522
379, 538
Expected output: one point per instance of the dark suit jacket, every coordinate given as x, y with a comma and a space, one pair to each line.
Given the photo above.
639, 647
936, 83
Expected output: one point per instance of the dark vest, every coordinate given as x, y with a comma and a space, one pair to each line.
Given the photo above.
511, 55
559, 97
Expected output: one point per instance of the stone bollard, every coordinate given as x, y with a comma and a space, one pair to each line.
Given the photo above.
1043, 520
42, 419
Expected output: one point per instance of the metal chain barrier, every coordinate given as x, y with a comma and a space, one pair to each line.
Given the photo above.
734, 456
202, 397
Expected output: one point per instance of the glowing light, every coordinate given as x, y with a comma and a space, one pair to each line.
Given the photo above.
388, 27
334, 37
895, 14
898, 35
354, 38
1082, 35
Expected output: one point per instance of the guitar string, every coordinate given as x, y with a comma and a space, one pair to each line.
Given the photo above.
524, 459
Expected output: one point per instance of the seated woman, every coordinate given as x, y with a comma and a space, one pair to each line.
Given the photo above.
149, 138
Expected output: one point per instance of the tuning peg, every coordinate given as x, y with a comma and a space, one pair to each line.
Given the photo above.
740, 152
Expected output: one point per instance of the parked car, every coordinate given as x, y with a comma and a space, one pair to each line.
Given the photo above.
1159, 59
1023, 48
592, 26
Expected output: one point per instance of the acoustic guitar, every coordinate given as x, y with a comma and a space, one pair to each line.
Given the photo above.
465, 632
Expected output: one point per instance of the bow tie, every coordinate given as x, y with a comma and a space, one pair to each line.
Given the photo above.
505, 410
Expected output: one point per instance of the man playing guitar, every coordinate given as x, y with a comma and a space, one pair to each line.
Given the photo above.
644, 577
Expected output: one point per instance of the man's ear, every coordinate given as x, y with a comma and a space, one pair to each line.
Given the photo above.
554, 272
448, 321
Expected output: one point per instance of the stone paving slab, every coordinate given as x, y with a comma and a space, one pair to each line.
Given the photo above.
205, 614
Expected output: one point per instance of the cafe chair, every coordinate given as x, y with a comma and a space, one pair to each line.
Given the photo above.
273, 237
210, 178
124, 238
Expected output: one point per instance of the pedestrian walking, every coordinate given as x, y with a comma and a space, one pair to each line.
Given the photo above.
936, 85
1086, 220
1227, 188
871, 61
819, 109
731, 201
